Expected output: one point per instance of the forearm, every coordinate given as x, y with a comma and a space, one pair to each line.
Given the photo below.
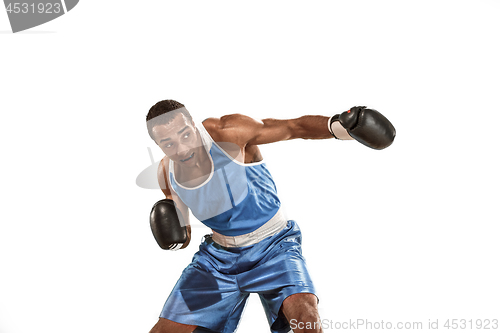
248, 131
186, 243
316, 127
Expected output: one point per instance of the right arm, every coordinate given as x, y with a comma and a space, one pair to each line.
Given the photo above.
182, 213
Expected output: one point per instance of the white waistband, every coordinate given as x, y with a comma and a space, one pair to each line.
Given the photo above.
275, 224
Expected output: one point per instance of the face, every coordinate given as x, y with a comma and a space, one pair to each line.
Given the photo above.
179, 140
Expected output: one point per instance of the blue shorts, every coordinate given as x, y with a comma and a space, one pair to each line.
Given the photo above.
213, 289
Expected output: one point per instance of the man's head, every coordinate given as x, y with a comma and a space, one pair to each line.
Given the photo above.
164, 112
170, 125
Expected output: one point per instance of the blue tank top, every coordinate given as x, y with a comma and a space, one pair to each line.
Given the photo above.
236, 198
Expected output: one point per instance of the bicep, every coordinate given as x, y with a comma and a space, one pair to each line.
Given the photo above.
245, 130
163, 179
169, 192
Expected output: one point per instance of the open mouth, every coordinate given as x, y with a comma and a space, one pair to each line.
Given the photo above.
188, 158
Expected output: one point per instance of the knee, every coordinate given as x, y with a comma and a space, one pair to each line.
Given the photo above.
155, 329
309, 314
166, 326
301, 310
158, 328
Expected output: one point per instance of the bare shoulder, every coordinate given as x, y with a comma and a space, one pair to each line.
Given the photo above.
238, 119
234, 127
229, 121
162, 172
211, 124
163, 166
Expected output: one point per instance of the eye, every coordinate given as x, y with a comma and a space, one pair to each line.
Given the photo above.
168, 145
186, 135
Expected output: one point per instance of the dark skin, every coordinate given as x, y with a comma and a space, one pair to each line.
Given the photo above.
240, 137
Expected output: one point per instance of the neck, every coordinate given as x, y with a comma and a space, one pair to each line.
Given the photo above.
198, 172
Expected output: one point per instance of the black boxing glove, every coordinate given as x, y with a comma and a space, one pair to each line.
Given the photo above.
166, 226
367, 126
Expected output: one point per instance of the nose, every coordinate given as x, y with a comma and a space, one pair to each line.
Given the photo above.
182, 150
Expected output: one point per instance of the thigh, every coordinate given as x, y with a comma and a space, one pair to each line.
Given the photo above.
204, 296
282, 273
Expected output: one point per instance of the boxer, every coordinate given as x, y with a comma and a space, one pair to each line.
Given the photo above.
216, 170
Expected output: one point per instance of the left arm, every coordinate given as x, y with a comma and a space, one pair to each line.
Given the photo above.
245, 130
365, 125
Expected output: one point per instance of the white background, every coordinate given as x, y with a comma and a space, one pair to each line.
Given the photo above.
409, 233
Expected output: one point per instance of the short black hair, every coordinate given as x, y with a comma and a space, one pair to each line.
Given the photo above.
164, 109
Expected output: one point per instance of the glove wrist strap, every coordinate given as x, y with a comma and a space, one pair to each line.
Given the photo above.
330, 122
